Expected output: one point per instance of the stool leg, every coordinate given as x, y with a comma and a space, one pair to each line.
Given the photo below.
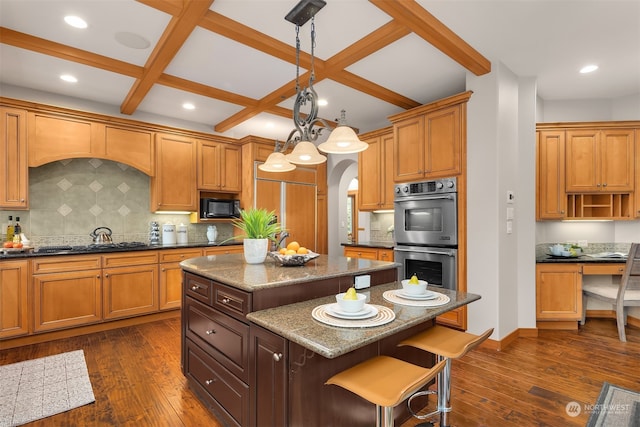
444, 392
384, 416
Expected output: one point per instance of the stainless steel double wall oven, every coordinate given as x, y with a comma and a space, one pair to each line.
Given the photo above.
426, 231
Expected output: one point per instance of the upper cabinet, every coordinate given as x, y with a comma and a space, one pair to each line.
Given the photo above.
429, 140
375, 171
588, 171
173, 187
219, 166
637, 170
14, 173
133, 147
600, 160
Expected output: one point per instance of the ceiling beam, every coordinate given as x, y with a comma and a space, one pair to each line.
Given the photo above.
427, 26
178, 30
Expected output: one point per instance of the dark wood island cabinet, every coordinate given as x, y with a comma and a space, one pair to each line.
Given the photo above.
255, 356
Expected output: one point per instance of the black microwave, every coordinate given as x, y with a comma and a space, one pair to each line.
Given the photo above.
219, 208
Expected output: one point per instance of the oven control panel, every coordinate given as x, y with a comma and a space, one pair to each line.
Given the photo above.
436, 186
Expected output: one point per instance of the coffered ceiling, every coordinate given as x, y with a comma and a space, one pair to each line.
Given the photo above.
235, 59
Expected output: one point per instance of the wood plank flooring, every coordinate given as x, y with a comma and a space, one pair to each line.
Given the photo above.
136, 377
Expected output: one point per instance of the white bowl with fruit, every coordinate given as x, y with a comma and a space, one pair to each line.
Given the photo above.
293, 255
414, 286
351, 301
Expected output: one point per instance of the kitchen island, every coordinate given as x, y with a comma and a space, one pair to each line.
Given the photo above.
255, 355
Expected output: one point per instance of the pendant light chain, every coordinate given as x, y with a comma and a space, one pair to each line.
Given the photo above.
312, 76
297, 59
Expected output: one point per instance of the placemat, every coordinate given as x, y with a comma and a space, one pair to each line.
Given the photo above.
391, 296
384, 316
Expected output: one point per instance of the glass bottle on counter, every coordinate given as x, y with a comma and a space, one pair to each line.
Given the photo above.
17, 229
10, 229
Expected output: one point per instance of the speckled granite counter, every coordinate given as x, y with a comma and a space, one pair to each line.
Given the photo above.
371, 244
590, 254
294, 321
233, 271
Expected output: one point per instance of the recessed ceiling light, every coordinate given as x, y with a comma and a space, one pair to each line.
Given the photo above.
75, 21
188, 106
68, 78
588, 69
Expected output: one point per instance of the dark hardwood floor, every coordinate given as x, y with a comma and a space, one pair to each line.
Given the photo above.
136, 377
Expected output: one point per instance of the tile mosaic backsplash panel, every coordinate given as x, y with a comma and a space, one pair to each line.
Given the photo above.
68, 199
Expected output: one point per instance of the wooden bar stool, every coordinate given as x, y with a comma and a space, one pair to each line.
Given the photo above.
446, 344
385, 381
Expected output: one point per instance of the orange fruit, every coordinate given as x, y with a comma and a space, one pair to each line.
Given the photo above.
293, 246
282, 251
302, 250
290, 252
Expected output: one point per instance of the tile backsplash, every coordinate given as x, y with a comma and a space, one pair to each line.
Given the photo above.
68, 199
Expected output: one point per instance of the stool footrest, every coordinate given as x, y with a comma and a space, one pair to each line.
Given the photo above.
423, 416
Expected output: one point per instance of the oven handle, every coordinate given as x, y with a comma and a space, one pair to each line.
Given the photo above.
427, 251
423, 197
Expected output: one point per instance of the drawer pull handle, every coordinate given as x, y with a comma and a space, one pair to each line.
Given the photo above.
210, 332
226, 300
195, 287
209, 382
277, 356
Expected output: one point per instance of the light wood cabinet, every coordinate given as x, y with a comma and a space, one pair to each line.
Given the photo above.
429, 140
223, 250
600, 160
14, 313
171, 276
375, 172
550, 189
637, 172
558, 292
219, 166
378, 254
14, 173
174, 186
67, 292
130, 284
134, 147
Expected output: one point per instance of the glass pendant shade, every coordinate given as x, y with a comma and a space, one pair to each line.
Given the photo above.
305, 153
343, 140
276, 162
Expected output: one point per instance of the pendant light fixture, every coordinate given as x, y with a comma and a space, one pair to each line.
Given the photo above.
306, 131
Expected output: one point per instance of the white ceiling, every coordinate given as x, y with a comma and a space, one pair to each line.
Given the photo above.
548, 40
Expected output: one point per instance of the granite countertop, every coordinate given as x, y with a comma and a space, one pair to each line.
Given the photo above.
371, 244
88, 250
295, 323
232, 270
594, 253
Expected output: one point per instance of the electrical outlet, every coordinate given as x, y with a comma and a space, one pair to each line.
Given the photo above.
583, 243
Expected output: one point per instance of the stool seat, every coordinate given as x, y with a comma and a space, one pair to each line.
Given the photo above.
446, 342
385, 382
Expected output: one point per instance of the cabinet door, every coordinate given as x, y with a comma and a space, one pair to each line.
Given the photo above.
13, 298
637, 173
443, 133
230, 168
268, 378
208, 166
550, 195
370, 175
558, 292
174, 186
617, 160
14, 187
385, 255
300, 214
130, 291
387, 182
63, 300
131, 146
323, 246
409, 149
582, 160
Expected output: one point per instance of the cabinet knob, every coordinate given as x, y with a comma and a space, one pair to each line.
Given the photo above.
210, 332
209, 382
277, 357
604, 185
98, 276
195, 287
226, 300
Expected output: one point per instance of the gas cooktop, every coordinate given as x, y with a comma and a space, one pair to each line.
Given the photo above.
95, 247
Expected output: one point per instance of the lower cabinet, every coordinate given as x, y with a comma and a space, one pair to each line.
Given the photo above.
171, 276
14, 318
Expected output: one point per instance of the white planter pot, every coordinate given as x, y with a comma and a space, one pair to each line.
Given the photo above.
255, 250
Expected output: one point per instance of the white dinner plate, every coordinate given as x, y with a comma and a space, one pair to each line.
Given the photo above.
417, 297
367, 312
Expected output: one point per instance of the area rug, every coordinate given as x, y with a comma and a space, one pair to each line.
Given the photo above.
616, 407
39, 388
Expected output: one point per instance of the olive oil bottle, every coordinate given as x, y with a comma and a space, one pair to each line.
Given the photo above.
10, 229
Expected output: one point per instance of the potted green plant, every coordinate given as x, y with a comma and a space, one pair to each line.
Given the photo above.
258, 227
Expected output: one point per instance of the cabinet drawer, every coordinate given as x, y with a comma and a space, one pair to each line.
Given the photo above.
224, 337
127, 259
613, 269
225, 392
176, 255
65, 263
224, 250
232, 301
198, 288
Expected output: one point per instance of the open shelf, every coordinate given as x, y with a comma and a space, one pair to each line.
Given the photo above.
599, 206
